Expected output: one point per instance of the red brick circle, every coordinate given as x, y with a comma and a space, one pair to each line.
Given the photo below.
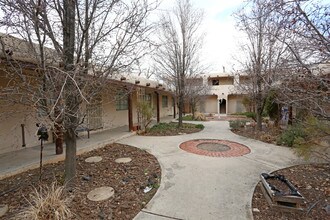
235, 150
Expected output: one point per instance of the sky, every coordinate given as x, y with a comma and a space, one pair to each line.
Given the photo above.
221, 37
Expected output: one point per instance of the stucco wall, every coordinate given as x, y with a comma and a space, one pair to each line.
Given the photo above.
235, 104
12, 116
111, 117
211, 104
11, 130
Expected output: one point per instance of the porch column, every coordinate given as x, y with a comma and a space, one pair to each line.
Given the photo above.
174, 107
130, 111
227, 104
218, 107
158, 107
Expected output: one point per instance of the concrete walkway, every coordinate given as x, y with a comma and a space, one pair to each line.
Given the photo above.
192, 186
25, 159
201, 187
19, 161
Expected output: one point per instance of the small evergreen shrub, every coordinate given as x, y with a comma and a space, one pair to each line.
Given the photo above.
200, 126
187, 118
289, 136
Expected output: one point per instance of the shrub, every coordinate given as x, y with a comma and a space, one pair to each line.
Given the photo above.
250, 115
48, 203
187, 118
200, 126
200, 117
315, 142
236, 124
146, 112
266, 138
271, 107
291, 134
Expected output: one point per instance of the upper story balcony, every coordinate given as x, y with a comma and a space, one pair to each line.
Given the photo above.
220, 81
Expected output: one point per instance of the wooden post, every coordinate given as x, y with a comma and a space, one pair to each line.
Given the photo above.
23, 135
158, 107
174, 108
130, 111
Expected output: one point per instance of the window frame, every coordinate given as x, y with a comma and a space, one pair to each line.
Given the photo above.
121, 101
164, 101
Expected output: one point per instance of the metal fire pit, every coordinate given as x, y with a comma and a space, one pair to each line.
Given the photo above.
288, 199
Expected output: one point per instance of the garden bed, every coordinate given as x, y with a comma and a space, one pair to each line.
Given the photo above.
129, 180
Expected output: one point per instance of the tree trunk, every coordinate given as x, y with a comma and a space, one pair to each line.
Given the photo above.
71, 94
193, 109
181, 98
259, 106
181, 106
58, 131
290, 120
70, 156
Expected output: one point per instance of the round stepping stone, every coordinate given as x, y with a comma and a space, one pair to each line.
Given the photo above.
101, 193
94, 159
123, 160
3, 209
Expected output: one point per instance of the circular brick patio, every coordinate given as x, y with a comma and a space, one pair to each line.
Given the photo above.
215, 148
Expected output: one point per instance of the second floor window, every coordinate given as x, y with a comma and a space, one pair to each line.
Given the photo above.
215, 82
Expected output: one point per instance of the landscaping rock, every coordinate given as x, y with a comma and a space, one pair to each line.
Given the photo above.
94, 159
123, 160
3, 209
327, 209
100, 194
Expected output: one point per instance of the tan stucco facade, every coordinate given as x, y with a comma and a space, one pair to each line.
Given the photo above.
14, 117
222, 96
210, 104
14, 122
235, 104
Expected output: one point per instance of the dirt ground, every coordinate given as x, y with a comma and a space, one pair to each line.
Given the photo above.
128, 180
311, 180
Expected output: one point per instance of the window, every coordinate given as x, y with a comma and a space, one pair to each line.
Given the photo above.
121, 101
147, 98
215, 82
164, 101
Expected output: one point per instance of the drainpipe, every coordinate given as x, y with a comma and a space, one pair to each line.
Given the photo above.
23, 135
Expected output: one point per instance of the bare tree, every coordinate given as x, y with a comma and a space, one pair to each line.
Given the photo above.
264, 52
91, 41
195, 92
177, 57
306, 82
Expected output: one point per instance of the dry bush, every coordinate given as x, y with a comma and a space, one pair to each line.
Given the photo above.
267, 138
47, 203
200, 117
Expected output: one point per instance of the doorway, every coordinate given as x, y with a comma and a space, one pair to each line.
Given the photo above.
222, 107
